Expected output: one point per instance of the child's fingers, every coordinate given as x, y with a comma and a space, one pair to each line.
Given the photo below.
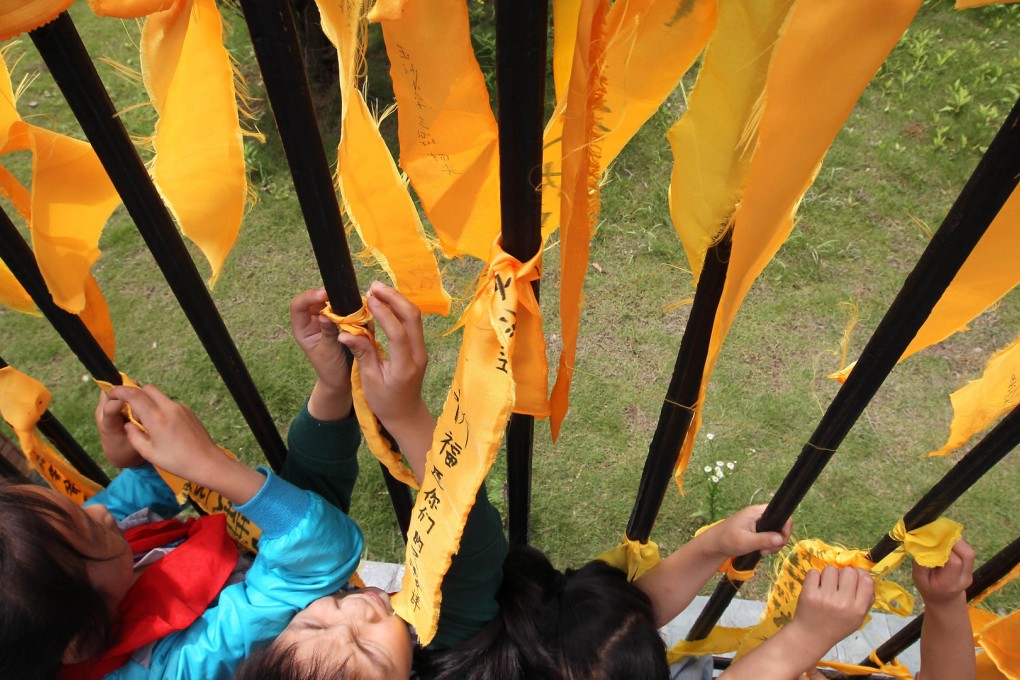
327, 328
399, 343
812, 580
966, 554
303, 304
864, 596
407, 313
139, 440
364, 353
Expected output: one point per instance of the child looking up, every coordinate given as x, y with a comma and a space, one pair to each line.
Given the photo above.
357, 632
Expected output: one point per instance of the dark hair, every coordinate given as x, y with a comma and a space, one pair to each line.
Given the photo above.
587, 624
48, 601
277, 661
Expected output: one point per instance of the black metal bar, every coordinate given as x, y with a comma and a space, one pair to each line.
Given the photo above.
986, 191
521, 38
65, 56
992, 448
984, 578
274, 38
678, 405
20, 260
69, 447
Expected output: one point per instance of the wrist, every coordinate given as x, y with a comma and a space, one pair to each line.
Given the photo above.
937, 607
709, 545
330, 402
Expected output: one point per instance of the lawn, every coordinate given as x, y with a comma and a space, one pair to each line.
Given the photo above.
887, 182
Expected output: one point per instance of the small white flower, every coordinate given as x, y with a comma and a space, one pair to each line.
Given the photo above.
731, 465
85, 378
715, 480
708, 468
709, 436
719, 472
719, 463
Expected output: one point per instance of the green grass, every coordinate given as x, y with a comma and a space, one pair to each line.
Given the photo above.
901, 159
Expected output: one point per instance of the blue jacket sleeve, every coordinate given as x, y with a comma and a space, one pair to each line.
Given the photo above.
136, 488
308, 550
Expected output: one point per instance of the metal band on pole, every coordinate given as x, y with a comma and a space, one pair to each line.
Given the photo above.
681, 398
65, 56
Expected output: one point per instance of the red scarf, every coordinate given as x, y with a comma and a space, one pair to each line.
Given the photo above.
171, 593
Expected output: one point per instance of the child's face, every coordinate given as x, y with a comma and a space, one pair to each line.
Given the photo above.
357, 628
94, 531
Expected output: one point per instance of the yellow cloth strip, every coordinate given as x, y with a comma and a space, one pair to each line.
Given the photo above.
999, 639
980, 402
632, 557
19, 16
12, 294
720, 641
244, 532
23, 400
378, 443
375, 195
199, 163
449, 142
931, 544
466, 439
982, 280
580, 202
712, 151
649, 45
894, 669
811, 88
71, 199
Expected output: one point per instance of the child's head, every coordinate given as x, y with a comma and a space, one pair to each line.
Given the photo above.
352, 635
587, 624
63, 571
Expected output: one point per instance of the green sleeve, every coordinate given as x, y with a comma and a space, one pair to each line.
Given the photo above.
323, 457
473, 580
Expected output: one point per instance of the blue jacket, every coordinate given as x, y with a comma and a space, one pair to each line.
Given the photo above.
308, 549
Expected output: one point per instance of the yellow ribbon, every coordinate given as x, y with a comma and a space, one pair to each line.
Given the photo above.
378, 443
245, 532
375, 194
70, 201
894, 668
23, 400
19, 16
787, 122
632, 557
199, 163
931, 544
467, 436
449, 143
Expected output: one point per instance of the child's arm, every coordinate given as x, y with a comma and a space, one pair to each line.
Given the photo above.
176, 441
317, 337
393, 386
323, 438
947, 642
672, 584
832, 605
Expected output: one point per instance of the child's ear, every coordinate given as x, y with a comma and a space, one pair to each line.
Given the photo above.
73, 653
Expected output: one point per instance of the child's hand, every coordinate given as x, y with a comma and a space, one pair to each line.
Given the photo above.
317, 337
832, 605
736, 534
110, 423
392, 386
176, 441
945, 584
